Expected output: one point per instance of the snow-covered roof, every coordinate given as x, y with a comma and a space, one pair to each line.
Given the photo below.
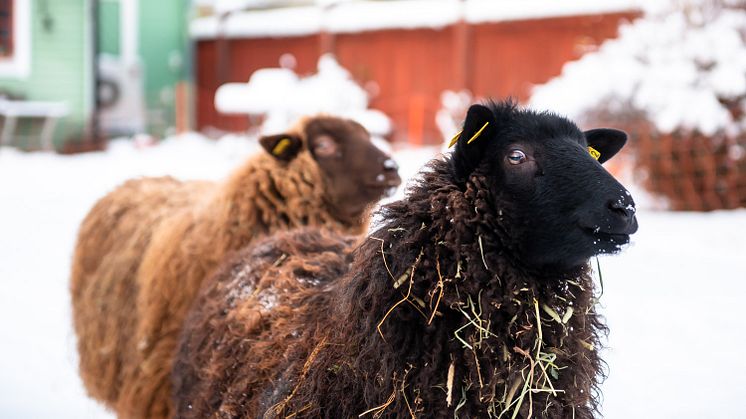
227, 6
481, 11
358, 16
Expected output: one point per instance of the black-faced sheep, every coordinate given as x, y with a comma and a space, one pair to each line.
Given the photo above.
472, 299
145, 248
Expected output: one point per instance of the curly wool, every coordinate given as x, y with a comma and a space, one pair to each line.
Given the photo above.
261, 293
143, 252
111, 242
435, 317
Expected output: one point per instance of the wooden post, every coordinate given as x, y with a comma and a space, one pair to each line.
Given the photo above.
222, 47
181, 107
326, 42
416, 120
326, 38
461, 53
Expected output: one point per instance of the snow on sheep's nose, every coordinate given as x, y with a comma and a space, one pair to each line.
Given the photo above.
622, 211
390, 164
389, 178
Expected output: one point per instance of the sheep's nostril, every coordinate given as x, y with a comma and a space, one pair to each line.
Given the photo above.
622, 209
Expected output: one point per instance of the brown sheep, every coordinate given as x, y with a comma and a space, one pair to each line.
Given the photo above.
144, 249
472, 299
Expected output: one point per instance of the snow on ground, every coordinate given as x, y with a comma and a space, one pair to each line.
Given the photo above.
43, 198
672, 299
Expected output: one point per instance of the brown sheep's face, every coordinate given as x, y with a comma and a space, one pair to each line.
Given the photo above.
356, 173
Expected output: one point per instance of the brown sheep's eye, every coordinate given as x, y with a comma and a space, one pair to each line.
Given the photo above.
325, 146
517, 157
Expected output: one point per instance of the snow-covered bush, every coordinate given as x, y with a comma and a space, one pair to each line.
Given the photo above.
681, 69
282, 97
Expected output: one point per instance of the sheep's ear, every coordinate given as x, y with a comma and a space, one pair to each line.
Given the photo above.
471, 142
282, 146
604, 143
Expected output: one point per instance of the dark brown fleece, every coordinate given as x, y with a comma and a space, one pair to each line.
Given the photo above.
433, 318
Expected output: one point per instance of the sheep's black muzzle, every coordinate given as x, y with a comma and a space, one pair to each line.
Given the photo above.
622, 216
611, 227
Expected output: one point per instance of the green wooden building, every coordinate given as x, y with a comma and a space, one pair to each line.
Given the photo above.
148, 39
58, 56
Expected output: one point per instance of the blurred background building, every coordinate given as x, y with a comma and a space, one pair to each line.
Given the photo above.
90, 69
79, 71
405, 53
144, 65
75, 73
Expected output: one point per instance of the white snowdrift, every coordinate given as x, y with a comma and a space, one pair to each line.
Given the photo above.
283, 97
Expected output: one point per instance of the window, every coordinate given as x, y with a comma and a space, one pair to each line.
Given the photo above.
6, 28
15, 38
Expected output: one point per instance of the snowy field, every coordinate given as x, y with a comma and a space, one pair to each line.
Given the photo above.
672, 299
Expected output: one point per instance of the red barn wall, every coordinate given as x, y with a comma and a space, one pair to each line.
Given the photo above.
509, 57
412, 67
230, 60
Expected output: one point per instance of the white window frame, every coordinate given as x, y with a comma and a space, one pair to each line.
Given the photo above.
19, 64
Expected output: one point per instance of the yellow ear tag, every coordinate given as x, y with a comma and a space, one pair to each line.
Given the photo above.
454, 140
474, 137
594, 153
281, 146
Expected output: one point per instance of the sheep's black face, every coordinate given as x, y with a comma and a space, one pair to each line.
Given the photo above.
356, 172
560, 205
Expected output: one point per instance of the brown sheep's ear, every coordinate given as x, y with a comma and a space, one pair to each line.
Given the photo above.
282, 146
471, 142
604, 143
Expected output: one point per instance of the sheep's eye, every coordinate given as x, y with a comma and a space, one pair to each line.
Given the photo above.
516, 157
325, 146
